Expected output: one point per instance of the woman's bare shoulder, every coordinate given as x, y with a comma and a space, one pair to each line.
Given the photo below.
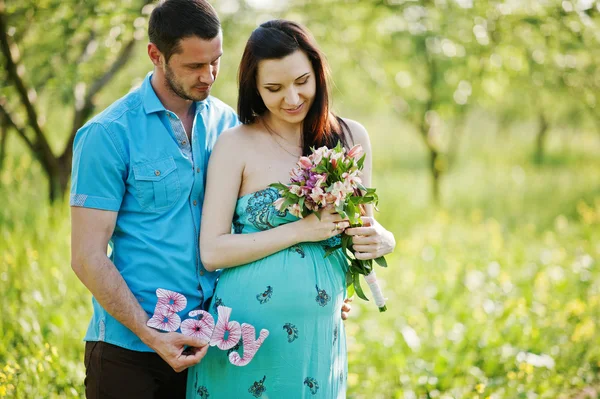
357, 131
237, 138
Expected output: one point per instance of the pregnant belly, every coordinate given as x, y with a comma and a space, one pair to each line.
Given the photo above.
298, 279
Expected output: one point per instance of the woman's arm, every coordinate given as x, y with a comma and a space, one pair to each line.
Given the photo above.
371, 240
218, 247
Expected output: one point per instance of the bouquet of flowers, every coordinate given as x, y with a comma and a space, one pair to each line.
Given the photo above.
332, 177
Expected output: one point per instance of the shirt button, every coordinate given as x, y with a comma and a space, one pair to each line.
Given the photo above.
197, 170
183, 142
195, 202
157, 172
202, 272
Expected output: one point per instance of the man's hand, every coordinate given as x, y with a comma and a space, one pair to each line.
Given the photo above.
346, 307
371, 240
178, 350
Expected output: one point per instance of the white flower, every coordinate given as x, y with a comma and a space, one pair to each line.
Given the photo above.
296, 210
278, 203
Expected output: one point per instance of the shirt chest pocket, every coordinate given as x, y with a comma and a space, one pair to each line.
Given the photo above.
157, 184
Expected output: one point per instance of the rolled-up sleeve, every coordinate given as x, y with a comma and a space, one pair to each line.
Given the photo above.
99, 170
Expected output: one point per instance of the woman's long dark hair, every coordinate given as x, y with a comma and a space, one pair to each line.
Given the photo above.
277, 39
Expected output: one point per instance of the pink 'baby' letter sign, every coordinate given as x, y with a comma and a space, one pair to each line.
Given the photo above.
225, 334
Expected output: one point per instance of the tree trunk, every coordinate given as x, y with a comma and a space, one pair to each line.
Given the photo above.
3, 140
425, 125
56, 168
434, 158
540, 140
64, 178
58, 181
53, 187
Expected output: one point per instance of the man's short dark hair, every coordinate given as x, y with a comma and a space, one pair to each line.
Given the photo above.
173, 20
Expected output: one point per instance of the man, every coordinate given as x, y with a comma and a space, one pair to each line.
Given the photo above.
139, 171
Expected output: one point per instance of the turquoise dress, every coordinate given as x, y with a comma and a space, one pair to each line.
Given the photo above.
297, 295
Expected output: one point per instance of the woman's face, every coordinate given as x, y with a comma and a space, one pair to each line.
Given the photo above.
287, 86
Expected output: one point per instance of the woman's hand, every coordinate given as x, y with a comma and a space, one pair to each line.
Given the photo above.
371, 240
328, 224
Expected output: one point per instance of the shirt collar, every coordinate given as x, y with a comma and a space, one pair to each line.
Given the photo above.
152, 103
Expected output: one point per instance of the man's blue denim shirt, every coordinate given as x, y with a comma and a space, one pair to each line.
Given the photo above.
134, 160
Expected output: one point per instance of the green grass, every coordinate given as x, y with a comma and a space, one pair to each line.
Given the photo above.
44, 306
494, 294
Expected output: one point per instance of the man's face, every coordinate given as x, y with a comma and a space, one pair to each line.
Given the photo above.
191, 71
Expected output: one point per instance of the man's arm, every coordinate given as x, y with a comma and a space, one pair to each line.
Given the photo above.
91, 230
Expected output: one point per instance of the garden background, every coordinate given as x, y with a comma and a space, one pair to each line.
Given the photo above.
484, 118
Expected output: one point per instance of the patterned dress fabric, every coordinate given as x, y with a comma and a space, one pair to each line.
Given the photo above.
297, 295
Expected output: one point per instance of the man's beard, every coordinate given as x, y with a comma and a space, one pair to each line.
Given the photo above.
178, 89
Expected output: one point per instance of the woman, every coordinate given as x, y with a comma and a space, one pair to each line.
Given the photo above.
275, 275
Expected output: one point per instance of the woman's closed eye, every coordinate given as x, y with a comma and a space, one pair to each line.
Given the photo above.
275, 89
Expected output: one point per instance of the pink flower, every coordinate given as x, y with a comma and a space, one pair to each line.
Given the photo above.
170, 300
296, 175
310, 204
296, 210
352, 178
356, 151
225, 326
164, 320
337, 187
318, 155
335, 158
330, 198
348, 188
305, 163
337, 193
321, 180
295, 189
316, 158
339, 199
337, 155
200, 328
318, 196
